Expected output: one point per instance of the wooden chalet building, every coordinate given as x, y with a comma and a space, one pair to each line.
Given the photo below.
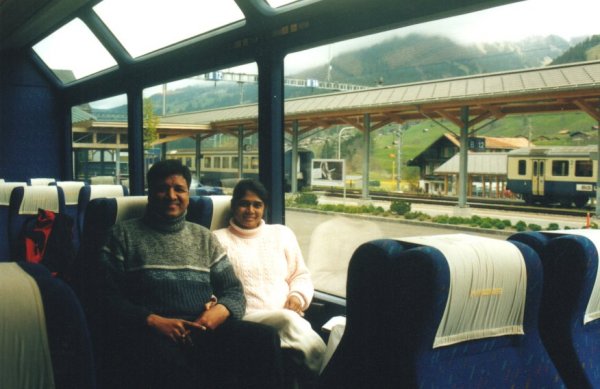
446, 147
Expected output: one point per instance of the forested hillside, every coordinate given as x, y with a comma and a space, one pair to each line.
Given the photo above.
408, 59
587, 50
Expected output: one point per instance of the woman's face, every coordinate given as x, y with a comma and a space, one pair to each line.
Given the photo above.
248, 211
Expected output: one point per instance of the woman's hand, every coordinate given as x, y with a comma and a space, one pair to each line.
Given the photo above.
213, 317
176, 329
293, 303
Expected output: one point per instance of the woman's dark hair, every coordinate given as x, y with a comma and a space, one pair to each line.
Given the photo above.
165, 168
251, 185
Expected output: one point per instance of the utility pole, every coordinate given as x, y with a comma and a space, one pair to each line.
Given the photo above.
399, 158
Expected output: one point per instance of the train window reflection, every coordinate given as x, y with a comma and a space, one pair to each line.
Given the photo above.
583, 168
560, 168
99, 138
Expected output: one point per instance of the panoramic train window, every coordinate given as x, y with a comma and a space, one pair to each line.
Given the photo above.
182, 126
584, 168
100, 153
151, 25
560, 168
353, 154
73, 52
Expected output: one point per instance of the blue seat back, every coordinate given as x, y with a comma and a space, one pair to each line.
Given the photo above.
396, 298
91, 192
6, 189
24, 205
570, 263
213, 212
69, 340
71, 190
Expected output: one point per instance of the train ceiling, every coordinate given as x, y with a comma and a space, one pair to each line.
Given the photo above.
267, 32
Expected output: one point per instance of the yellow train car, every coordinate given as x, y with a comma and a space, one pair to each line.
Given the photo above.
563, 174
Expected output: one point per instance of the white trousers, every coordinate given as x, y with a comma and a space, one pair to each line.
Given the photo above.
295, 333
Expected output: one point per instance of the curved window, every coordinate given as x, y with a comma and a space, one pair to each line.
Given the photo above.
73, 52
143, 27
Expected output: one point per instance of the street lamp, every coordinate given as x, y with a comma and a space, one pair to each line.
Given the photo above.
340, 141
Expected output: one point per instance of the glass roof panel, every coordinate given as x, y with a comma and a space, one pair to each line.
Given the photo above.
73, 52
146, 26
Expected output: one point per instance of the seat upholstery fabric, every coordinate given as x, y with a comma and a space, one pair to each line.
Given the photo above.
570, 265
6, 189
24, 205
396, 296
89, 192
67, 330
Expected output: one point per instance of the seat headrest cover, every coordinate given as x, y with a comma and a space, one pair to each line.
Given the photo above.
592, 311
41, 181
6, 189
71, 191
23, 336
97, 191
100, 180
130, 207
36, 197
488, 285
221, 211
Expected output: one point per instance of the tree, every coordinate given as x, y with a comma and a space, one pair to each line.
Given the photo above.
151, 121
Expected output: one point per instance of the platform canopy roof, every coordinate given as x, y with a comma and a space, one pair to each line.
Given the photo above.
572, 87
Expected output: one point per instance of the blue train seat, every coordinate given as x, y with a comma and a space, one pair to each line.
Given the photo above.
213, 212
24, 205
71, 190
570, 306
40, 181
6, 189
102, 213
90, 192
44, 331
443, 311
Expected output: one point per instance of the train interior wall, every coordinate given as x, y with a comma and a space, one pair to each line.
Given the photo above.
31, 122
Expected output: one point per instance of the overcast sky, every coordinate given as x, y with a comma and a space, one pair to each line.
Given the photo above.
513, 22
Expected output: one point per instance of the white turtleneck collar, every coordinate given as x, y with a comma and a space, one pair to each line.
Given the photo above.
245, 232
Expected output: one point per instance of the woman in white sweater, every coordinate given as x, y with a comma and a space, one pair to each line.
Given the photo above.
268, 261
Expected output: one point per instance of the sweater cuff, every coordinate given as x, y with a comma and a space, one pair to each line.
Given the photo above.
302, 299
235, 308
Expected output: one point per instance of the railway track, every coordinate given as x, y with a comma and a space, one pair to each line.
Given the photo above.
484, 203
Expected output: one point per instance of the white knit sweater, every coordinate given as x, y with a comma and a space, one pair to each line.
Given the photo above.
269, 263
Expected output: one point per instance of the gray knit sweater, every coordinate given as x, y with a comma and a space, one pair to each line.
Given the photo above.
167, 267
